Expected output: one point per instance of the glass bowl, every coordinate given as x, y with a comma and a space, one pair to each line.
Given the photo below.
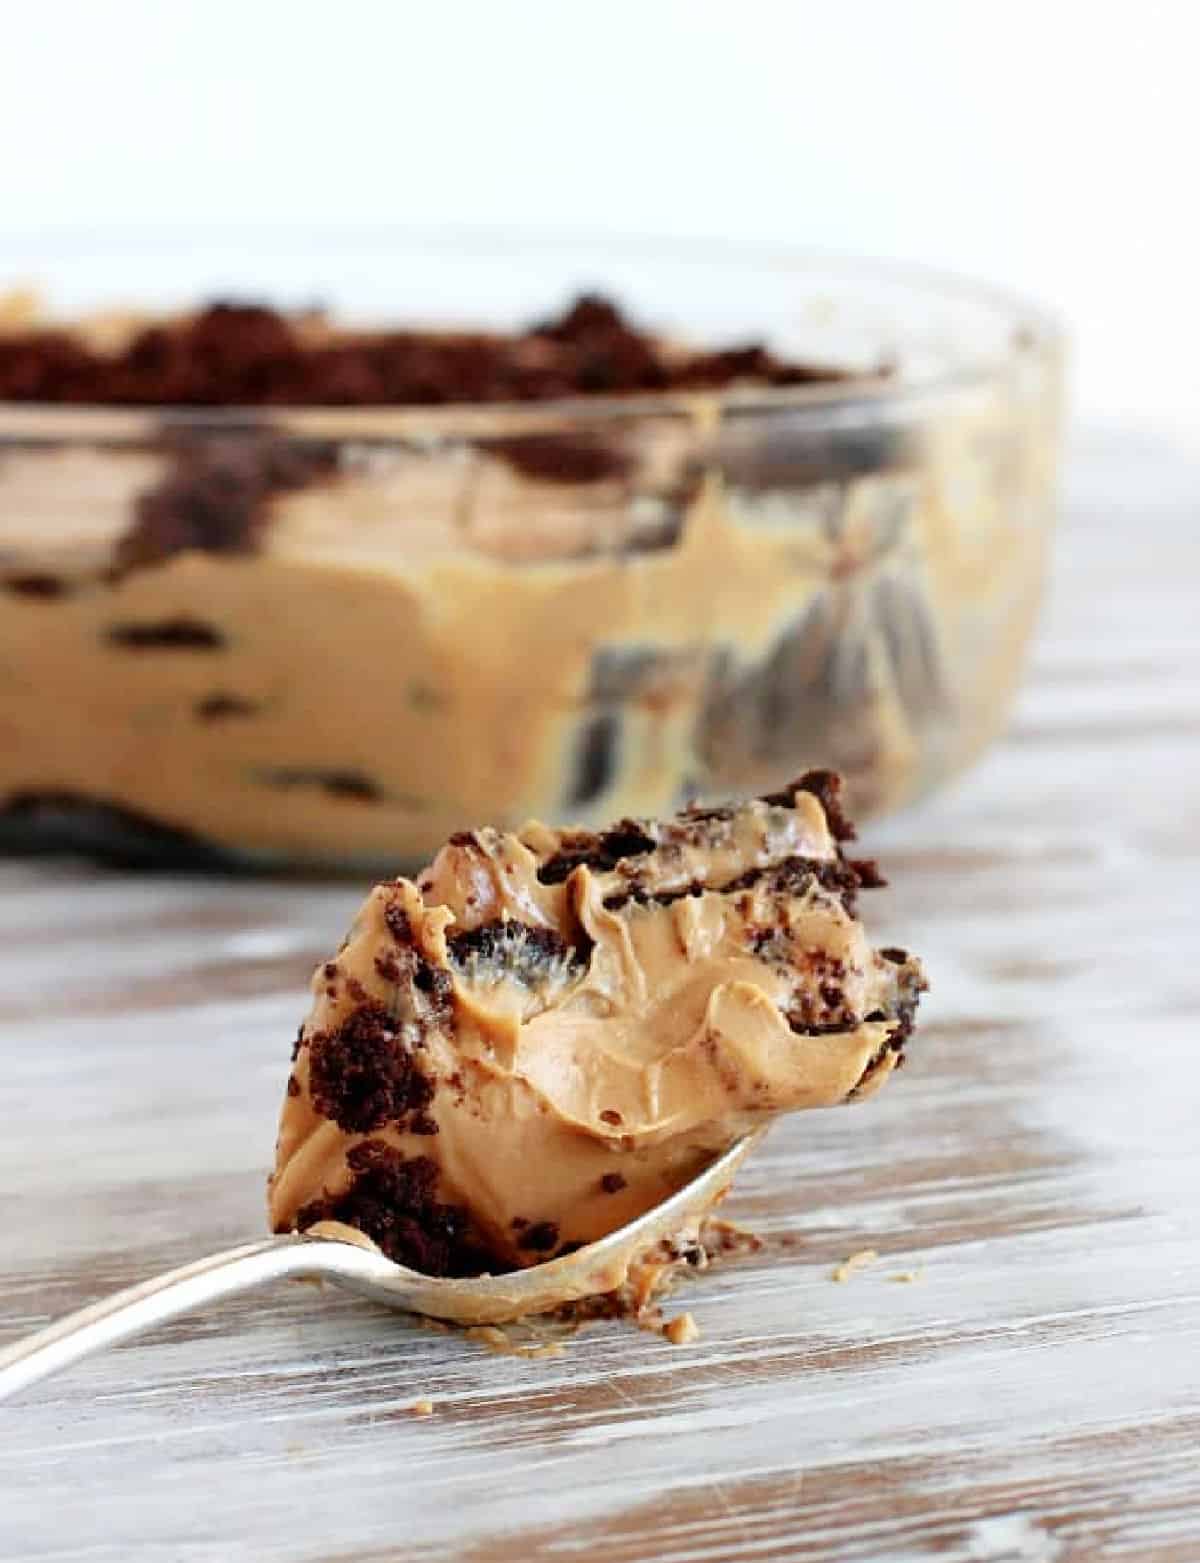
417, 619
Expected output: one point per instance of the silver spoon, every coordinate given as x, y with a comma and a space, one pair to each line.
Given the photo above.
484, 1299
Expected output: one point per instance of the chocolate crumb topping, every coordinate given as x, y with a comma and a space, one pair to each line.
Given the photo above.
247, 355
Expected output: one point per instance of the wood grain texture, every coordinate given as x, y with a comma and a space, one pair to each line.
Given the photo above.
1033, 1395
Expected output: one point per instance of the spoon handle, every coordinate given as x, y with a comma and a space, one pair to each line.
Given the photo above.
166, 1296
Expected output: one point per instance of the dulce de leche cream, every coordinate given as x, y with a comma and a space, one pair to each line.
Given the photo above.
550, 1032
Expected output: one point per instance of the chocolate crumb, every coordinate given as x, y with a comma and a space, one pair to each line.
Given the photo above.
612, 1183
869, 876
363, 1075
42, 587
293, 1086
216, 495
397, 921
436, 984
178, 634
388, 967
599, 852
562, 458
826, 787
246, 355
219, 707
841, 876
611, 1116
393, 1199
512, 949
540, 1237
596, 759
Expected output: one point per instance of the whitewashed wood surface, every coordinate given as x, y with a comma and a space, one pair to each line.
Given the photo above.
1034, 1395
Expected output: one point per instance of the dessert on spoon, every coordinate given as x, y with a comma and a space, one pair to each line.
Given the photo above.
530, 1074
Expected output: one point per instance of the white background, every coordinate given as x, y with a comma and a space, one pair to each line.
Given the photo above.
1050, 146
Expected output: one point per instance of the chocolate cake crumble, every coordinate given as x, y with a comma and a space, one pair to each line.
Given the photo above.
393, 1200
248, 355
363, 1075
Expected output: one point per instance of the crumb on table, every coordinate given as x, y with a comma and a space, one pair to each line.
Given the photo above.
502, 1343
857, 1261
682, 1330
421, 1408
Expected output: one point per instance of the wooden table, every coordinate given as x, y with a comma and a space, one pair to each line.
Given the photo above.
1034, 1394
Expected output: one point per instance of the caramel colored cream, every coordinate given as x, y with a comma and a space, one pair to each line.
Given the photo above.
550, 1032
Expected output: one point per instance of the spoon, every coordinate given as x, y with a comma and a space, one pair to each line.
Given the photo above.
360, 1267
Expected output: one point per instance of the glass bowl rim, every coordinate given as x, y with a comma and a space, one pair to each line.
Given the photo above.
1034, 332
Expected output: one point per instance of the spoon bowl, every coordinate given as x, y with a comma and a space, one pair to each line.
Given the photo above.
358, 1266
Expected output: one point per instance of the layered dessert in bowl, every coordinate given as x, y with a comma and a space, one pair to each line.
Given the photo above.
326, 586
